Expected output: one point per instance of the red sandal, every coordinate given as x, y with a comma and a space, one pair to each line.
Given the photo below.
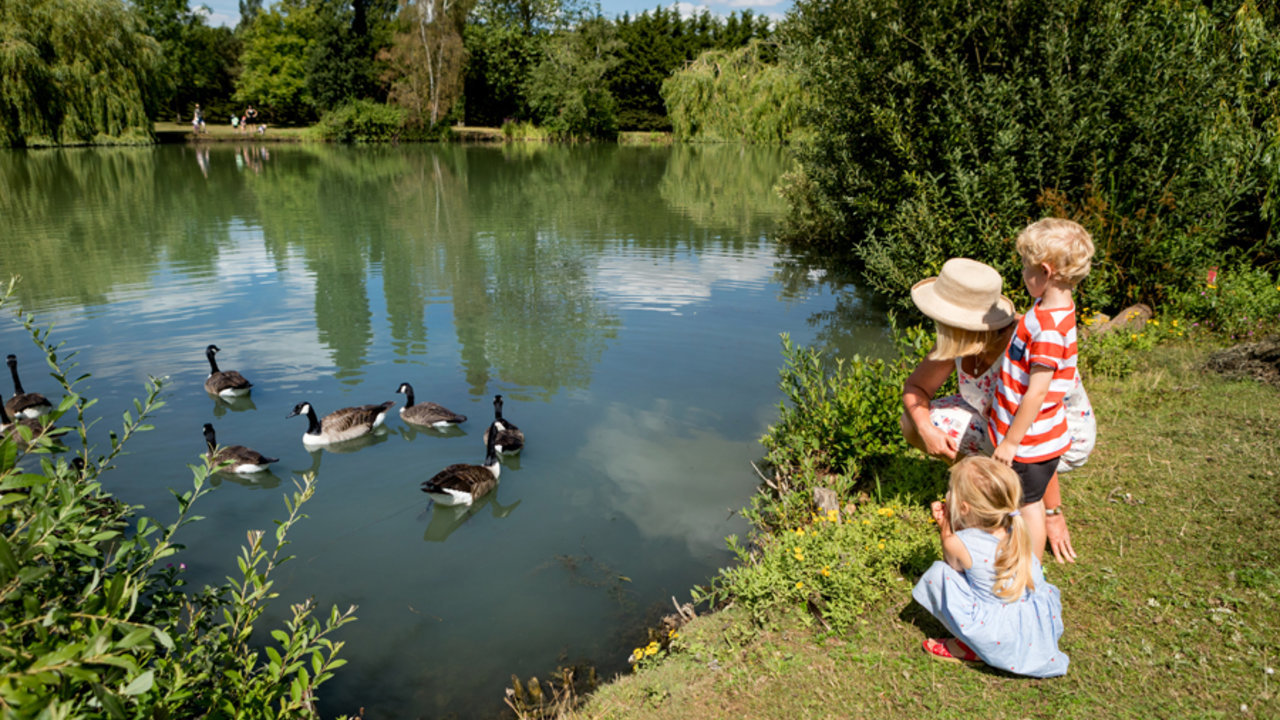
937, 648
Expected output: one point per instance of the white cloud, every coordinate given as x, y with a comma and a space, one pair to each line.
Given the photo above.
641, 282
688, 10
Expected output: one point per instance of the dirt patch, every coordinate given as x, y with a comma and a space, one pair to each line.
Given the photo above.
1257, 360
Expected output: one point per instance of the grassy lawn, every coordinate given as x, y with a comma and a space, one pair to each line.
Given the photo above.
1171, 610
224, 132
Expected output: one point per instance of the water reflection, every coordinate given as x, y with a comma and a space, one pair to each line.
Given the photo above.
264, 480
446, 519
222, 406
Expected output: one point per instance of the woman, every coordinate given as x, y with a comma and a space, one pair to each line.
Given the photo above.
974, 325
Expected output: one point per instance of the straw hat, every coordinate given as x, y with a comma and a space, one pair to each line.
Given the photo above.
965, 295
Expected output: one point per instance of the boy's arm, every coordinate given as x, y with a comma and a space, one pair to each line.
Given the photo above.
1028, 409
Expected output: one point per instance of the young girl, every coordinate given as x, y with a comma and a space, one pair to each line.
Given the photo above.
990, 591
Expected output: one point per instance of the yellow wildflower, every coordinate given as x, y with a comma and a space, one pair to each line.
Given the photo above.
799, 556
826, 572
881, 546
800, 531
799, 585
796, 549
672, 633
866, 522
1175, 322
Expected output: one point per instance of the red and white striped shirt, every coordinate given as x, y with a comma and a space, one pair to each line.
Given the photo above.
1046, 338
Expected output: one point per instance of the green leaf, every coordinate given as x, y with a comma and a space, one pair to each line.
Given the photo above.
140, 684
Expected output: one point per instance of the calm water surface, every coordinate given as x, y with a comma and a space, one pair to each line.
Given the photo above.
626, 302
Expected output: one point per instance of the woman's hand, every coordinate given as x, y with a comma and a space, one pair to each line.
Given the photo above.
939, 444
1059, 538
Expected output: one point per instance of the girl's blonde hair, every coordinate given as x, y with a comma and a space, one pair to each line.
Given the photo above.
954, 342
993, 491
1064, 244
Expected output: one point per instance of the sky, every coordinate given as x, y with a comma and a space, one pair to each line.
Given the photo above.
227, 12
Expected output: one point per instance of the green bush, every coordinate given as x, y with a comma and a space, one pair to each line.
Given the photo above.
1237, 302
838, 427
831, 566
940, 129
362, 121
92, 625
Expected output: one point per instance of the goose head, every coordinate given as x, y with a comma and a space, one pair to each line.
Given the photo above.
210, 438
209, 353
407, 390
302, 408
11, 361
497, 407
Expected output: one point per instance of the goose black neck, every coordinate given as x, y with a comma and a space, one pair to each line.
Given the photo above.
408, 397
313, 427
497, 407
5, 420
210, 439
213, 364
17, 384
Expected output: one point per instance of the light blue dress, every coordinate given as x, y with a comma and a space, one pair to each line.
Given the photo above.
1020, 637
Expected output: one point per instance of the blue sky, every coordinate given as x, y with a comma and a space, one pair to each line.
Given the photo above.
227, 12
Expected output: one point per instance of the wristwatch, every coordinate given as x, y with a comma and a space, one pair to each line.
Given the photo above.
1053, 511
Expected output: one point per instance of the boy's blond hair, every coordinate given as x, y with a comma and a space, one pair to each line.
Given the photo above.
954, 342
1064, 244
993, 491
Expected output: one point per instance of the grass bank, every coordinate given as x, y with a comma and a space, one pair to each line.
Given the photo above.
1171, 610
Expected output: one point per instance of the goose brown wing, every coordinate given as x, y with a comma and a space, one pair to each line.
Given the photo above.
19, 403
226, 380
473, 479
429, 413
510, 437
347, 418
239, 454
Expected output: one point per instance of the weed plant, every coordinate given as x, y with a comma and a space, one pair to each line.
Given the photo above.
95, 623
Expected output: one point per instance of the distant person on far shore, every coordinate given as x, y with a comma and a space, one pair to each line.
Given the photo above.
197, 120
235, 122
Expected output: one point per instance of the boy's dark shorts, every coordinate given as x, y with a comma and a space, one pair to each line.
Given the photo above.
1035, 478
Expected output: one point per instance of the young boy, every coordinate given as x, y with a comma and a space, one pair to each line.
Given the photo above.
1026, 420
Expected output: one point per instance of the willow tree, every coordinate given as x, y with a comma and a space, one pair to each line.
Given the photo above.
426, 58
73, 71
735, 96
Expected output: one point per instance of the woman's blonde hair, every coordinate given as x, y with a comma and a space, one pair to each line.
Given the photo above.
993, 491
1064, 244
954, 342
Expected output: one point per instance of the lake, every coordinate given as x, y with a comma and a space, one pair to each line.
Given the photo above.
626, 302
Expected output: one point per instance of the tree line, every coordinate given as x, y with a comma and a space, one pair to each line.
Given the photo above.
95, 71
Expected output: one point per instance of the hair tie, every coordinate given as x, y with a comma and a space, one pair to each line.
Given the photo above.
1014, 514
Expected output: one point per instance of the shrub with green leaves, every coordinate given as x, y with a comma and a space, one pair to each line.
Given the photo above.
942, 128
92, 625
362, 121
833, 566
1240, 302
837, 428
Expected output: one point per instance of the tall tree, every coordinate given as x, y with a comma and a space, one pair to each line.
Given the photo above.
197, 61
567, 90
426, 58
274, 62
73, 71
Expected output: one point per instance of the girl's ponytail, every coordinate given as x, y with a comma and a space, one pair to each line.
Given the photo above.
994, 494
1013, 560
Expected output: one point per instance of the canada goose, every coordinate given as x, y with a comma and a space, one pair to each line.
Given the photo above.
462, 484
345, 424
509, 436
428, 414
24, 404
227, 383
234, 458
9, 427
